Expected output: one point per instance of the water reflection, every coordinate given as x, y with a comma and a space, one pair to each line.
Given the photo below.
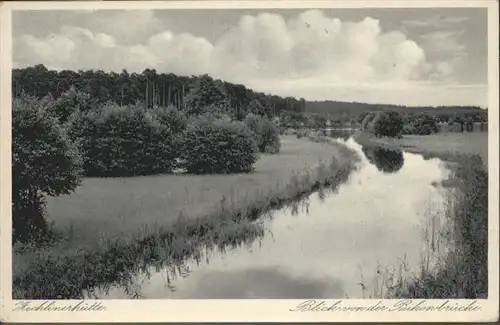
328, 246
260, 282
386, 160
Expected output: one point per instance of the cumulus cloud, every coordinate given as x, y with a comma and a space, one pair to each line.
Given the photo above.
449, 51
264, 51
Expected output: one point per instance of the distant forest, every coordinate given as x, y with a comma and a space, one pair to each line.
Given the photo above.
162, 89
148, 87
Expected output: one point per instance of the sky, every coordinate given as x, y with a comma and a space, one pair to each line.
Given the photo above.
418, 56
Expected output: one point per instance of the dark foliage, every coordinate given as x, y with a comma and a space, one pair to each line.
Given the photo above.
386, 160
69, 103
388, 124
44, 162
345, 111
317, 121
421, 124
128, 140
266, 133
211, 146
153, 89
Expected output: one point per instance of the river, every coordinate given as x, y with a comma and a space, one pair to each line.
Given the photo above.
383, 223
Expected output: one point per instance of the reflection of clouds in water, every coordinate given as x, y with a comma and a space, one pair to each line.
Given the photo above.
261, 283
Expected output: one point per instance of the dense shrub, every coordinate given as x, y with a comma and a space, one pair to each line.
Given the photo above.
388, 124
128, 140
211, 146
267, 134
69, 103
44, 162
422, 124
172, 118
316, 121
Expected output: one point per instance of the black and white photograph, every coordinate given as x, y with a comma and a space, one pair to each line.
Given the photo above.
317, 155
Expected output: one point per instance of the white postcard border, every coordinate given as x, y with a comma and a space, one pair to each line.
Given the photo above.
241, 310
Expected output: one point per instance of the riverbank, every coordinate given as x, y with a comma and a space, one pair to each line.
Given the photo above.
115, 225
464, 271
440, 145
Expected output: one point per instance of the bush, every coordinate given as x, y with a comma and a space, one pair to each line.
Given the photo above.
316, 121
128, 140
211, 146
44, 162
388, 124
267, 134
172, 118
69, 103
422, 124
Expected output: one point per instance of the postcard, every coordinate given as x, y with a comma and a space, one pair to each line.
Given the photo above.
249, 161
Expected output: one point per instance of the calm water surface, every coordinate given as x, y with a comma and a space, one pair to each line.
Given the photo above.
382, 217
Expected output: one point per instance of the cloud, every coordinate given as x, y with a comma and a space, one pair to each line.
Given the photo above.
436, 22
264, 51
449, 51
52, 49
129, 26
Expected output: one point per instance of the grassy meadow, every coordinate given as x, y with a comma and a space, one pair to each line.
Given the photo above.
113, 224
439, 145
112, 207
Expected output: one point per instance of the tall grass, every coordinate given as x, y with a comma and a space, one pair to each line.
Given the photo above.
117, 262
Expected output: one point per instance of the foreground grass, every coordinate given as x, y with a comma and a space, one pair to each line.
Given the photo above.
174, 224
463, 272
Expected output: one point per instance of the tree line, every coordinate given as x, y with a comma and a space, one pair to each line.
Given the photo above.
354, 112
149, 87
395, 124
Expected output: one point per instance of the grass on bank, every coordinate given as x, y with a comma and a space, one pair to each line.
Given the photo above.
447, 146
463, 272
178, 229
110, 208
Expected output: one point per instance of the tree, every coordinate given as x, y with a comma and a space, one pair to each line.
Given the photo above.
388, 124
68, 103
265, 131
256, 108
204, 93
44, 162
422, 124
317, 121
